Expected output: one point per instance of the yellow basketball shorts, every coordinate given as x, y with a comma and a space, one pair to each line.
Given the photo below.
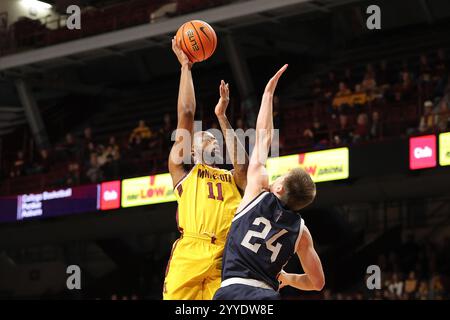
194, 269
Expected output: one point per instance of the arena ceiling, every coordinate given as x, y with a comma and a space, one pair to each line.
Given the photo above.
97, 64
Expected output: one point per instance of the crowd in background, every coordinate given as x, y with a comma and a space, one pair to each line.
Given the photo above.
416, 271
354, 103
348, 108
90, 160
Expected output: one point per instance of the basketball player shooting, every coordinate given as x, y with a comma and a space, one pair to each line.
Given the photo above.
207, 196
267, 228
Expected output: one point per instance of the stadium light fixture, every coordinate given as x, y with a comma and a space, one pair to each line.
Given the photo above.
36, 4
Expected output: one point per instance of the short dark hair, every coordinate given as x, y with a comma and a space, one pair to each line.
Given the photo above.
300, 190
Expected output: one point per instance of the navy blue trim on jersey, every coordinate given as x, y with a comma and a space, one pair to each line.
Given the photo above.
250, 205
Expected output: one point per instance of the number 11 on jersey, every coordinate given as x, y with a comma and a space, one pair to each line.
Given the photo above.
211, 191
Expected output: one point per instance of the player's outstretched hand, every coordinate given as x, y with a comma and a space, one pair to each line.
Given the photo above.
272, 84
221, 107
181, 56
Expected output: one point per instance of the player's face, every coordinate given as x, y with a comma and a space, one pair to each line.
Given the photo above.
207, 148
210, 144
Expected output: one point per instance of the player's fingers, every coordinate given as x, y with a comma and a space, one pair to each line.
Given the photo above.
279, 73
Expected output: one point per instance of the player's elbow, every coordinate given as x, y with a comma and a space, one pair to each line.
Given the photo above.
187, 111
318, 283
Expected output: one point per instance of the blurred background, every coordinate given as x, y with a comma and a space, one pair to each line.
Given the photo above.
86, 117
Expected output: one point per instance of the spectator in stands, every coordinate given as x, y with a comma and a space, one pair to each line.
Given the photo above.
18, 168
94, 173
427, 120
359, 296
73, 174
102, 154
425, 73
142, 131
86, 142
361, 132
166, 132
87, 153
155, 142
411, 285
404, 89
136, 147
317, 134
442, 114
404, 69
375, 126
436, 287
440, 69
342, 134
87, 136
425, 69
423, 291
343, 90
69, 148
342, 99
330, 85
359, 97
369, 85
113, 145
44, 163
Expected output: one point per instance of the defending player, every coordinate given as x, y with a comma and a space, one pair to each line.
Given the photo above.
267, 229
207, 196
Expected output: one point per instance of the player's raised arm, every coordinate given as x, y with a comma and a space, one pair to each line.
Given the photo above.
257, 179
313, 278
235, 148
185, 114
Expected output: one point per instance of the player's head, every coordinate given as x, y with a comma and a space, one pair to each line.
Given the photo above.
205, 148
295, 189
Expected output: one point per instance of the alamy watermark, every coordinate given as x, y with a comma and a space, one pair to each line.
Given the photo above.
191, 148
73, 281
373, 22
373, 280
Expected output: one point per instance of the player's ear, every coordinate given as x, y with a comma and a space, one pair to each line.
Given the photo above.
279, 188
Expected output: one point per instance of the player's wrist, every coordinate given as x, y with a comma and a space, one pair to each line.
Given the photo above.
186, 66
221, 115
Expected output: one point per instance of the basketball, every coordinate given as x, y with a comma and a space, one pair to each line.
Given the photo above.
197, 39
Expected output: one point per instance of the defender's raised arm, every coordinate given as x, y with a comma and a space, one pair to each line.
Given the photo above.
257, 179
